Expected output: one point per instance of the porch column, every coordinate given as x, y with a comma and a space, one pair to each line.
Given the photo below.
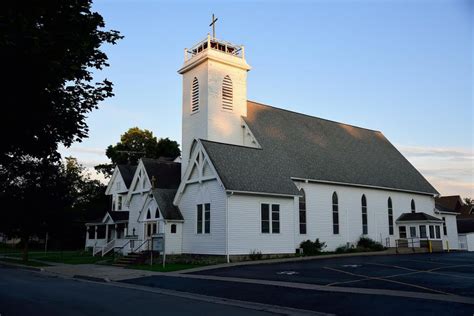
125, 230
95, 232
116, 232
106, 233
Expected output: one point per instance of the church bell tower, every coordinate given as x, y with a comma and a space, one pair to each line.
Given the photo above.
214, 93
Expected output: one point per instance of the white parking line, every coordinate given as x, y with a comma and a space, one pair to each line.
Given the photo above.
391, 281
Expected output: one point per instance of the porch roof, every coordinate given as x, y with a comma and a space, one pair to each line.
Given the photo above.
417, 217
119, 216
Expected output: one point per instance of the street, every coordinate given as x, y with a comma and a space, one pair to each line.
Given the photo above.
32, 293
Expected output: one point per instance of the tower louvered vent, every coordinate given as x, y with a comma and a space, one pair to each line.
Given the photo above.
227, 93
195, 96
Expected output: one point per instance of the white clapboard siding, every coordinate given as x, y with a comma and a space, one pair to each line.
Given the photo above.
245, 225
319, 213
452, 230
136, 204
200, 193
174, 242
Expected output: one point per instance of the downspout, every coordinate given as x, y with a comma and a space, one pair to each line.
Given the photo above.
227, 225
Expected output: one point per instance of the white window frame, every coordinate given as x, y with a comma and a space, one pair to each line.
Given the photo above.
203, 212
270, 219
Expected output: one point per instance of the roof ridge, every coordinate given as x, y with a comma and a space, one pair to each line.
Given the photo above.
222, 143
157, 160
315, 117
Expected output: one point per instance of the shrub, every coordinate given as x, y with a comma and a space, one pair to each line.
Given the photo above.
255, 255
369, 244
347, 248
312, 248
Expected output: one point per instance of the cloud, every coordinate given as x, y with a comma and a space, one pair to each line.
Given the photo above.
84, 150
449, 169
440, 152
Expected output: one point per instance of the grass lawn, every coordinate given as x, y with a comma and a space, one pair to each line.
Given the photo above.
68, 257
170, 267
28, 263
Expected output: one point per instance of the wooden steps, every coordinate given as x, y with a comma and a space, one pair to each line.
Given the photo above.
132, 258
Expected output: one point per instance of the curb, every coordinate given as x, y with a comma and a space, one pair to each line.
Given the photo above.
21, 266
284, 260
90, 278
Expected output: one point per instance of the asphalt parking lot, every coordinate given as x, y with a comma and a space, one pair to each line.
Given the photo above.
441, 273
421, 284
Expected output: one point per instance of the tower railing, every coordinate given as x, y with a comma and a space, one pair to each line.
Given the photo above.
215, 44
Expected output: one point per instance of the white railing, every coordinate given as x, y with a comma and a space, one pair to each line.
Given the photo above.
215, 44
96, 250
107, 248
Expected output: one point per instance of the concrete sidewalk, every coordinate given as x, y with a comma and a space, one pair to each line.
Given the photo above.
97, 272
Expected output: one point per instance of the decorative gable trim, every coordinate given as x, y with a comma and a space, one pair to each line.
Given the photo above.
146, 206
107, 218
140, 183
116, 176
199, 170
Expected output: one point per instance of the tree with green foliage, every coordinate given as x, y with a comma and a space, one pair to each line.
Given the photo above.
137, 143
39, 196
50, 52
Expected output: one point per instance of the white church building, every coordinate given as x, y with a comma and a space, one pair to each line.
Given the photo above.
253, 177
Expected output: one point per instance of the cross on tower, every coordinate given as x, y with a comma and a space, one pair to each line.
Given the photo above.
213, 24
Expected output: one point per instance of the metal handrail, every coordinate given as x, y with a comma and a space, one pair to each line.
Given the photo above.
127, 243
141, 245
410, 241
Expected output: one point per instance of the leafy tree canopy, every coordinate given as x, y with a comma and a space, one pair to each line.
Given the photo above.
42, 196
137, 143
49, 52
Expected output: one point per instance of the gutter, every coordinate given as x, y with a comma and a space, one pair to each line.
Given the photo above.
261, 193
363, 186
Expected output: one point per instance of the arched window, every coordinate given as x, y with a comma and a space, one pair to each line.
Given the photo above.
148, 214
157, 213
227, 93
413, 208
335, 214
365, 229
390, 216
173, 228
195, 96
302, 212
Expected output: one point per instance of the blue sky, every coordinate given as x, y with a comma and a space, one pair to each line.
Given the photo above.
402, 67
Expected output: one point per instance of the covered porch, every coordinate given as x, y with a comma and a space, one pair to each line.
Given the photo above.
110, 233
418, 230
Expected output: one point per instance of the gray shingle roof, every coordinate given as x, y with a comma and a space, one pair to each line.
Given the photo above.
164, 198
418, 216
119, 215
302, 146
166, 173
444, 209
127, 172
